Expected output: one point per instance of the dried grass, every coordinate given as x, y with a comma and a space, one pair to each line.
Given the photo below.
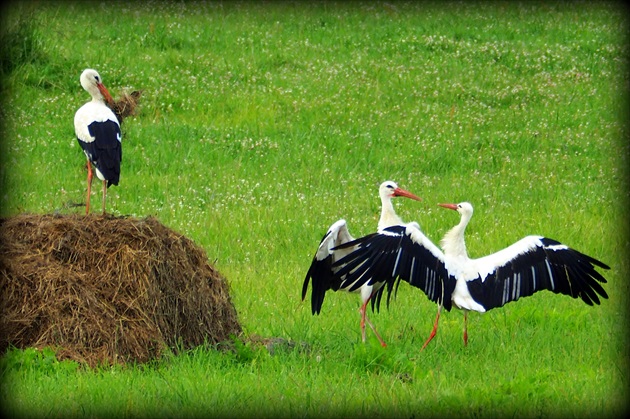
126, 105
106, 289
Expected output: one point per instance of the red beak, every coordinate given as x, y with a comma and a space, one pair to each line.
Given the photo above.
449, 206
105, 93
406, 194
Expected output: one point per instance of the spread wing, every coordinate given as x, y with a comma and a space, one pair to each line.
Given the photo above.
398, 253
321, 270
532, 264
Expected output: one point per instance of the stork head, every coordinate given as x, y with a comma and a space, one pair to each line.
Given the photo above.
453, 241
464, 208
390, 190
92, 83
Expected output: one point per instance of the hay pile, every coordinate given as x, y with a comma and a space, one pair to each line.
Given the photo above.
107, 289
125, 105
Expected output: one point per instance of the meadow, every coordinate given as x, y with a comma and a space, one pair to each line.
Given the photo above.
261, 124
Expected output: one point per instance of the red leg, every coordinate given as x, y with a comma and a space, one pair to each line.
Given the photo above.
364, 318
362, 311
466, 328
89, 188
383, 344
104, 194
435, 327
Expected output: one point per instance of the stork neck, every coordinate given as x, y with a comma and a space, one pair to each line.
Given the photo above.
97, 97
388, 215
453, 242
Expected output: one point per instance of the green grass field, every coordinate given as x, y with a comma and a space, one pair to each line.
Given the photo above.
263, 123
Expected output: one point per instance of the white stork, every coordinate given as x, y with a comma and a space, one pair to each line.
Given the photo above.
532, 264
322, 272
98, 132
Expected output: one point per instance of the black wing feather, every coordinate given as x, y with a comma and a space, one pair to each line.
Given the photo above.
549, 266
392, 255
105, 152
321, 273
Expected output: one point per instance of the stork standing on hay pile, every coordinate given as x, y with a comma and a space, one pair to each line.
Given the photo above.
98, 132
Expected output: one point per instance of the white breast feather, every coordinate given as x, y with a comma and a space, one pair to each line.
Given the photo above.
88, 113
